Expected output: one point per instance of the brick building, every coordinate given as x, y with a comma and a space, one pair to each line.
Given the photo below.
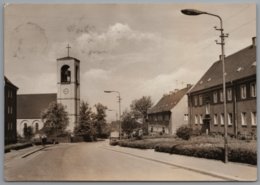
10, 112
206, 97
169, 113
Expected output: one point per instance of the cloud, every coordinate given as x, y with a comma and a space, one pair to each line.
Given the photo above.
164, 83
96, 74
117, 39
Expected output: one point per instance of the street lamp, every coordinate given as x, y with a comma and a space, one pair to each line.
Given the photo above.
119, 103
193, 12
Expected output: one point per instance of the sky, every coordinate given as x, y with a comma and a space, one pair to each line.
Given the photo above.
136, 49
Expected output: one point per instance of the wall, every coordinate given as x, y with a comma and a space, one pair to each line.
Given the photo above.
29, 122
178, 112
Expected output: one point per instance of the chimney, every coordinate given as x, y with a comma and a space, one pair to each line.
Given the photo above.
176, 90
254, 41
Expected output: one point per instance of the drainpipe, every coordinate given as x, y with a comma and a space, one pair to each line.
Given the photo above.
235, 109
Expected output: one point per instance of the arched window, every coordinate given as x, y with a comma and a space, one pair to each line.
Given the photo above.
36, 127
25, 129
65, 74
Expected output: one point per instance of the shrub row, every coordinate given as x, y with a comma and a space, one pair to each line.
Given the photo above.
201, 146
17, 146
211, 151
141, 144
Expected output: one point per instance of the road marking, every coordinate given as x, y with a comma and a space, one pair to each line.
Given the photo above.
179, 166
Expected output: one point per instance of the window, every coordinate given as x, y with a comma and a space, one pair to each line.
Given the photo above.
243, 91
11, 110
207, 108
253, 89
230, 121
215, 97
36, 127
200, 99
222, 119
186, 117
201, 120
195, 100
253, 118
229, 94
215, 119
243, 118
196, 119
221, 96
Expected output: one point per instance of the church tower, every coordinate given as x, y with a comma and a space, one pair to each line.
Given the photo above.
68, 71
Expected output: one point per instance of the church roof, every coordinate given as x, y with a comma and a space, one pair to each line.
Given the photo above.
69, 58
7, 81
30, 106
169, 101
239, 65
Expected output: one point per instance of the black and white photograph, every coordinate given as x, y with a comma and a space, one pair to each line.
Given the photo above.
130, 92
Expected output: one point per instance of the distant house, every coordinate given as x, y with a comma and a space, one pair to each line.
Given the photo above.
29, 108
10, 111
169, 113
206, 97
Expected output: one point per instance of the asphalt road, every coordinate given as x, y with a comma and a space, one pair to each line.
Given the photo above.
92, 162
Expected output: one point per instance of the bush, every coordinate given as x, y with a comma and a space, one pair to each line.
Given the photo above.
244, 153
184, 132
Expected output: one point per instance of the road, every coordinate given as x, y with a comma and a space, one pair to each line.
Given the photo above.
93, 162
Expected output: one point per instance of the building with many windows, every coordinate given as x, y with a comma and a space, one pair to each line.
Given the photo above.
10, 112
169, 113
206, 97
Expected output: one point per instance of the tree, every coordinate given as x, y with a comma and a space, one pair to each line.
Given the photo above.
99, 119
55, 119
140, 107
129, 122
85, 128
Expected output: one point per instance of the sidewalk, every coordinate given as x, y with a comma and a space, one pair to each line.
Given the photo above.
230, 171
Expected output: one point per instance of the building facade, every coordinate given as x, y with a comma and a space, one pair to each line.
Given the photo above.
10, 112
169, 113
206, 106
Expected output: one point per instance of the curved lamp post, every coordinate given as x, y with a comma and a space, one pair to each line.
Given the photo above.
192, 12
119, 108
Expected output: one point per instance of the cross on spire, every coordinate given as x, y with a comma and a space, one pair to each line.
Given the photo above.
68, 47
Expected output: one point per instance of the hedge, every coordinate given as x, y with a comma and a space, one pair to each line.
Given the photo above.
240, 154
17, 146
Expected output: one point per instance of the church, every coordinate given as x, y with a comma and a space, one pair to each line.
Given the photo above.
30, 106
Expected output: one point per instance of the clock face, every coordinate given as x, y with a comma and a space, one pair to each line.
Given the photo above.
66, 91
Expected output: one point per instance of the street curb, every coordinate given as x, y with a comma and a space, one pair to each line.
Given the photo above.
214, 174
30, 153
